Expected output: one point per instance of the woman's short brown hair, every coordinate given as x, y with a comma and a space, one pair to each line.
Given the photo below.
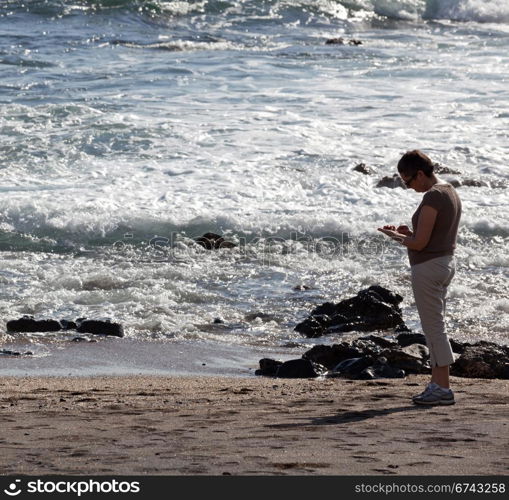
413, 161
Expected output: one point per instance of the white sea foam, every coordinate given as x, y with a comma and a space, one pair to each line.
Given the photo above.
258, 144
485, 11
168, 11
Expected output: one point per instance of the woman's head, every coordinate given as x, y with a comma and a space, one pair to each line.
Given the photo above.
416, 166
413, 161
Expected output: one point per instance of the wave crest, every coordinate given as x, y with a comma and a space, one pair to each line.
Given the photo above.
484, 11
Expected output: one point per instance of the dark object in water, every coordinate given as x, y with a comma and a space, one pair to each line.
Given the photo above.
212, 241
469, 183
68, 325
8, 352
27, 324
302, 288
375, 308
363, 169
391, 182
440, 169
264, 317
342, 41
100, 327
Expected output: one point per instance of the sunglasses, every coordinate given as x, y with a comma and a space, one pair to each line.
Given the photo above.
409, 181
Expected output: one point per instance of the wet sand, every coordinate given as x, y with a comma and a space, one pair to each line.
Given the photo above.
249, 426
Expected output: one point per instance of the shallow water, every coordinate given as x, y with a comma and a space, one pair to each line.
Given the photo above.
129, 128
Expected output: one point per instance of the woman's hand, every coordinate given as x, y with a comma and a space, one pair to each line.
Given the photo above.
405, 230
392, 233
389, 231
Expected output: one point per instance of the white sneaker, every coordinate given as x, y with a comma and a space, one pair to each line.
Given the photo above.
429, 388
434, 395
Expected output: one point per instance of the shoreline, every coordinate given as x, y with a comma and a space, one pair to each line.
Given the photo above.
111, 356
217, 425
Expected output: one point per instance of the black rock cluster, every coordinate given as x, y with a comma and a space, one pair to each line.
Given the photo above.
374, 357
27, 324
374, 308
394, 355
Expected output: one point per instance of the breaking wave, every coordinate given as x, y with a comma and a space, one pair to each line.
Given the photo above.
484, 11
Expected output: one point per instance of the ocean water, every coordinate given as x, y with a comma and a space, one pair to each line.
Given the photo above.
128, 128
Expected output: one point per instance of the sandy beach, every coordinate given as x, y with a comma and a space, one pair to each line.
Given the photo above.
249, 426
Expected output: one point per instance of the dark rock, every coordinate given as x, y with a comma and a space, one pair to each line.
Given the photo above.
469, 183
292, 344
482, 360
353, 367
410, 359
418, 350
363, 169
300, 368
260, 315
28, 324
381, 369
405, 339
68, 325
79, 339
474, 183
217, 327
314, 326
380, 341
341, 323
331, 356
367, 348
366, 368
302, 288
327, 309
391, 182
8, 352
212, 241
100, 328
457, 347
402, 328
268, 367
374, 308
498, 184
383, 294
375, 356
342, 41
440, 169
367, 374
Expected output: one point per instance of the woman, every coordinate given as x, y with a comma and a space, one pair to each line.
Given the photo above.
431, 247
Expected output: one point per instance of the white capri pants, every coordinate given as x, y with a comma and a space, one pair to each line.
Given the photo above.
430, 280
